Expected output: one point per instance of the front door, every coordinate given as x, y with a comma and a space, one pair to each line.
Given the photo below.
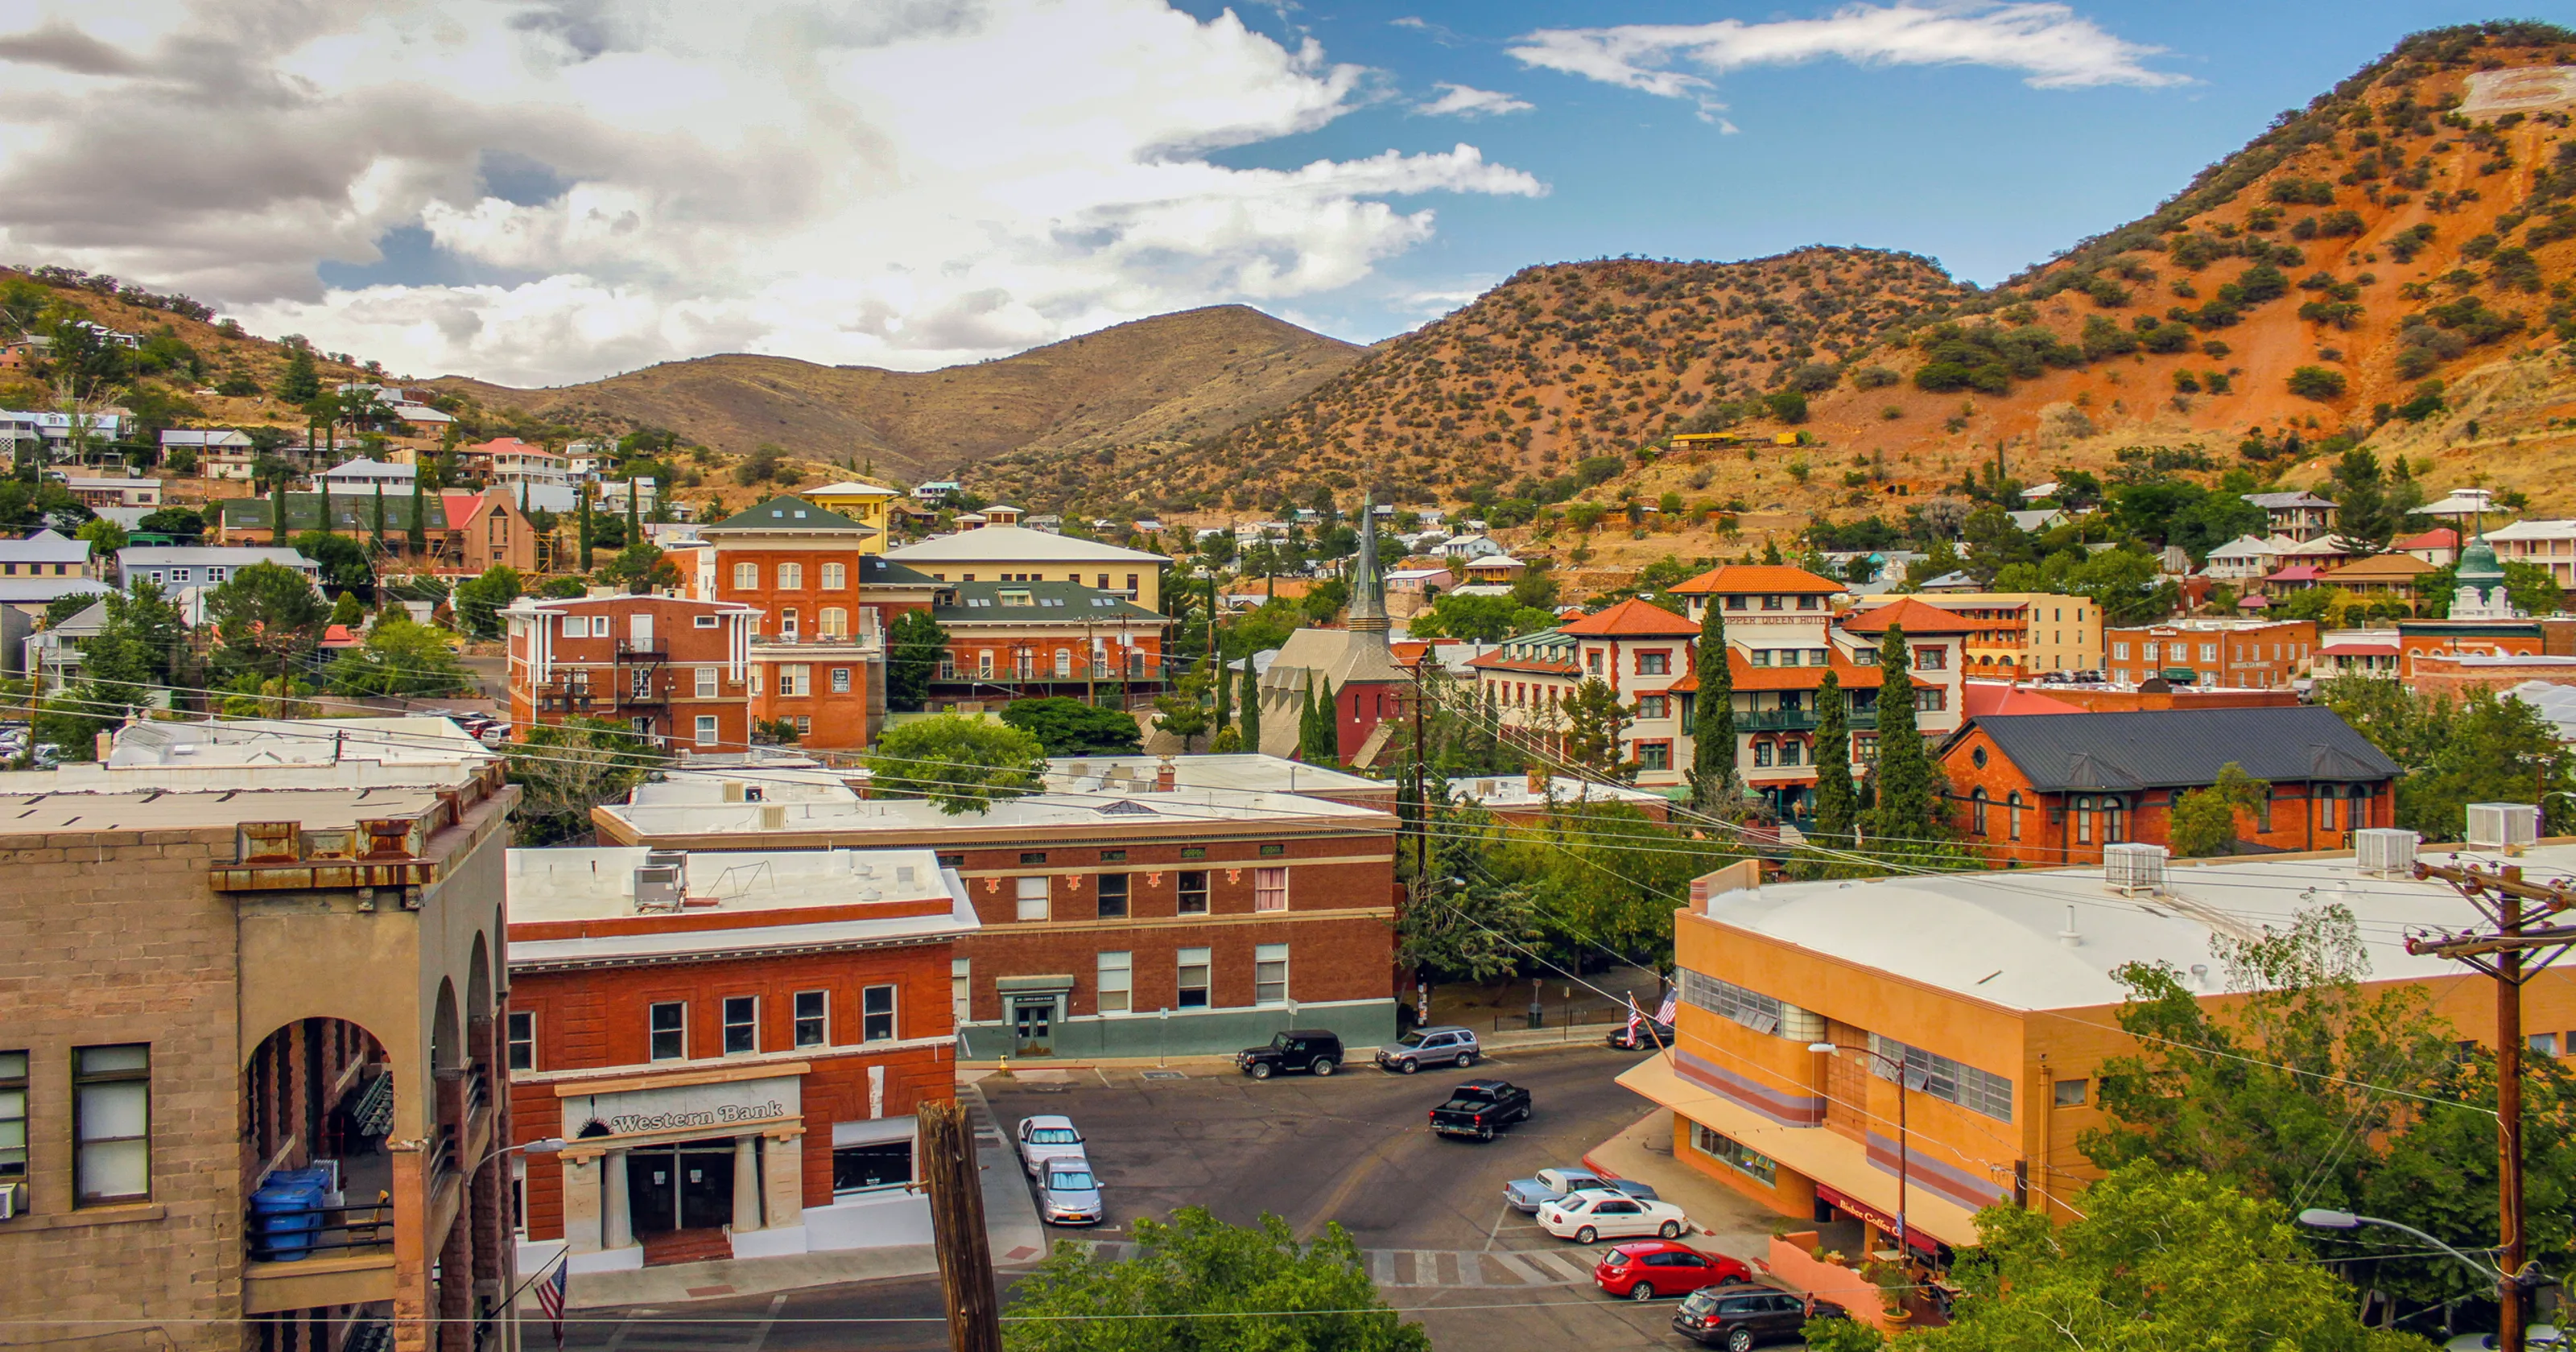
680, 1187
1033, 1026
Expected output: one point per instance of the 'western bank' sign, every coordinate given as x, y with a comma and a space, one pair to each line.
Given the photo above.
692, 1107
723, 1114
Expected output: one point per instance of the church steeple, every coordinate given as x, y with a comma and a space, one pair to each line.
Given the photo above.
1368, 583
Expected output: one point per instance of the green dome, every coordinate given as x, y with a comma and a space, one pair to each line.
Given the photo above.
2478, 566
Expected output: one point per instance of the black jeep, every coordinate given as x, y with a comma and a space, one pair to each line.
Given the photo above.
1307, 1049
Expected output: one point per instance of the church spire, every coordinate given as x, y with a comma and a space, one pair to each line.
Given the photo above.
1368, 583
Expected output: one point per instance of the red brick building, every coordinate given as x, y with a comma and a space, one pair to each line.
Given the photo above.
733, 1046
2255, 654
665, 665
817, 656
2056, 788
1116, 922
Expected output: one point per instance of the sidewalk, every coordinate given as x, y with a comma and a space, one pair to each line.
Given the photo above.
1736, 1225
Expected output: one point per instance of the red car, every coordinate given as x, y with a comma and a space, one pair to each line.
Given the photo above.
1646, 1268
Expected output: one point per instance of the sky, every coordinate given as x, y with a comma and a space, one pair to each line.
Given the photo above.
549, 191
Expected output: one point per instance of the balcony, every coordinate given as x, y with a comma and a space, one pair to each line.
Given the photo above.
658, 649
644, 696
1800, 720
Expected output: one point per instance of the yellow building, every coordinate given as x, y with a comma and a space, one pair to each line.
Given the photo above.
1997, 997
867, 504
2019, 633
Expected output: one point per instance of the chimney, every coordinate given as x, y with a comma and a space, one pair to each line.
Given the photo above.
1165, 775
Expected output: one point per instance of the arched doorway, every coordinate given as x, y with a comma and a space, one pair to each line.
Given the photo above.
317, 1104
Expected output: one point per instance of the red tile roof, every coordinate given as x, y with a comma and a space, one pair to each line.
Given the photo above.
1750, 677
2440, 537
1496, 661
1914, 616
1981, 698
1758, 577
1631, 618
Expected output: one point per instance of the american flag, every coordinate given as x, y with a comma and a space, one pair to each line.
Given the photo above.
1633, 1016
550, 1298
1672, 1004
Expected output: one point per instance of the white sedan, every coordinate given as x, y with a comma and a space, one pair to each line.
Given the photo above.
1586, 1216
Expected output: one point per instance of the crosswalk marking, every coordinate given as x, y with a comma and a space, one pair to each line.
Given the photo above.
658, 1333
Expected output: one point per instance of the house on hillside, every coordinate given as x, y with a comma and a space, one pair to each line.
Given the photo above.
2301, 515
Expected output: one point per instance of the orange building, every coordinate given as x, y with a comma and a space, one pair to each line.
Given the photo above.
2261, 654
816, 655
487, 530
670, 667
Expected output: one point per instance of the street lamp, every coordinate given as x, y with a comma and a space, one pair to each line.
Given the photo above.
2322, 1219
544, 1145
1904, 1150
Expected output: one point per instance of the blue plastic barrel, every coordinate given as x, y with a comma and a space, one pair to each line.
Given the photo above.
287, 1213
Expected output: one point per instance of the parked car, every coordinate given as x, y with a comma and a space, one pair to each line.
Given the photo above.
1444, 1045
1644, 1269
1068, 1194
2540, 1337
1479, 1108
1529, 1194
1047, 1138
1641, 1038
1737, 1317
1587, 1216
1308, 1049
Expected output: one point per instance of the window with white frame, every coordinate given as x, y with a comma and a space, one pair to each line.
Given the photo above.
876, 1014
111, 1124
668, 1024
1117, 982
1943, 1078
1063, 663
13, 1116
1754, 1010
833, 622
795, 679
741, 1024
1191, 979
813, 1018
836, 576
746, 576
961, 988
791, 576
1270, 974
1032, 897
523, 1039
706, 682
1270, 889
706, 730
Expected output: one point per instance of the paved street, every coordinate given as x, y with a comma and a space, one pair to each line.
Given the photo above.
1355, 1148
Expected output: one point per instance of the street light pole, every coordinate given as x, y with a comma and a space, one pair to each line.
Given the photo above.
2323, 1219
1904, 1145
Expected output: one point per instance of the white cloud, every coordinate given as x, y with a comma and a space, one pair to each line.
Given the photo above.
1457, 100
2049, 43
909, 183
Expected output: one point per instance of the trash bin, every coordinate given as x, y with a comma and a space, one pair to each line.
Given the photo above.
287, 1212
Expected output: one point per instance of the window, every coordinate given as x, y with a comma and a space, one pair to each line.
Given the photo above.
1933, 658
2543, 1044
1592, 661
1818, 657
813, 1022
1113, 895
746, 576
840, 680
1270, 974
1729, 1151
879, 1164
670, 1031
1771, 603
741, 1024
706, 682
836, 576
112, 1124
1761, 754
1754, 1010
1790, 752
2326, 806
1131, 584
984, 663
1033, 856
1760, 657
1735, 603
1944, 1078
1654, 755
1977, 812
1191, 983
13, 1115
961, 988
1194, 852
2068, 1094
1113, 856
791, 576
832, 622
2209, 652
1654, 706
1654, 664
523, 1039
787, 624
706, 621
1117, 983
1270, 889
1033, 898
1063, 663
706, 729
876, 1014
2012, 815
795, 679
1193, 893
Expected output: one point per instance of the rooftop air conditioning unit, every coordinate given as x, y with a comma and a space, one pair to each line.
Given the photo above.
2503, 826
2384, 850
773, 816
660, 887
2134, 867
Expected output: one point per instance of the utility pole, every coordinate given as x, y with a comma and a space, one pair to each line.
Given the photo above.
2500, 896
973, 1303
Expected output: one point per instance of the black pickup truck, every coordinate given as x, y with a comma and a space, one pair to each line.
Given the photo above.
1479, 1108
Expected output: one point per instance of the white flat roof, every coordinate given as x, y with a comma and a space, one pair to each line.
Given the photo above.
1996, 936
569, 886
775, 784
1514, 791
1036, 812
1252, 772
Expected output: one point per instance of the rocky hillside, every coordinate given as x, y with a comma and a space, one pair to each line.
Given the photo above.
1160, 381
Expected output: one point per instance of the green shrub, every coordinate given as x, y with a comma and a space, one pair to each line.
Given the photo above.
2316, 382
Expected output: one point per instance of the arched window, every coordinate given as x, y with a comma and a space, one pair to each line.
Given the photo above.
2012, 814
791, 576
746, 576
1977, 812
1063, 663
2084, 821
2326, 796
2115, 820
836, 576
833, 622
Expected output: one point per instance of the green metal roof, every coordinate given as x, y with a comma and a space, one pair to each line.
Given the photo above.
1035, 602
350, 512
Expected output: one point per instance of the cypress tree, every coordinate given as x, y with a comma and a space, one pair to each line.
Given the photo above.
418, 534
1224, 695
1327, 749
1904, 774
1251, 710
277, 513
1833, 762
584, 529
634, 521
1306, 720
1713, 716
380, 516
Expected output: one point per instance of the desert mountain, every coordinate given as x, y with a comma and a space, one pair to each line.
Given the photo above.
1165, 380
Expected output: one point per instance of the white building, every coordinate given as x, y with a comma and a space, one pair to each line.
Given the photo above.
174, 567
222, 452
361, 478
114, 492
2548, 544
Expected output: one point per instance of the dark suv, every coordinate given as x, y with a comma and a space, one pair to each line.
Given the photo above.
1307, 1049
1737, 1317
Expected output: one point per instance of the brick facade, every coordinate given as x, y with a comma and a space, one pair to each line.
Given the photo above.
818, 655
674, 668
2249, 654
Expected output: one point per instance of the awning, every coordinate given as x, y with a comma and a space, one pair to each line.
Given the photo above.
1830, 1158
1032, 985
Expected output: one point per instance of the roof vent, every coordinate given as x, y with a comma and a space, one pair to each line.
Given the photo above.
2134, 867
733, 791
662, 881
2385, 850
773, 816
2503, 826
2070, 936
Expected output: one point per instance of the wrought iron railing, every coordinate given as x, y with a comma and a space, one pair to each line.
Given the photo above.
293, 1234
373, 1112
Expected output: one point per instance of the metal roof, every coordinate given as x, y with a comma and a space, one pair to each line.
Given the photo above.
1065, 601
2174, 748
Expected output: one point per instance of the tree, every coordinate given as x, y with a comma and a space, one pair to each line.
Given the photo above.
1179, 711
2204, 820
416, 535
2362, 514
267, 618
2317, 382
2159, 1261
344, 561
2480, 749
582, 540
1198, 1283
565, 769
141, 641
105, 537
400, 658
1908, 800
301, 383
1251, 719
348, 610
176, 522
1834, 794
1072, 727
1224, 694
1713, 714
962, 764
641, 568
1594, 718
480, 600
914, 645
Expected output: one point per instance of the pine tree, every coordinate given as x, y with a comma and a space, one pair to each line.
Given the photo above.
301, 381
1904, 775
1713, 716
1833, 762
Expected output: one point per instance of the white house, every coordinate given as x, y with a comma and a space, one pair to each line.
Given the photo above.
2243, 559
1470, 547
176, 566
361, 478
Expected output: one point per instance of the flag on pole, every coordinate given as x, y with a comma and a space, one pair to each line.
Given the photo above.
1633, 1016
1670, 1007
550, 1298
